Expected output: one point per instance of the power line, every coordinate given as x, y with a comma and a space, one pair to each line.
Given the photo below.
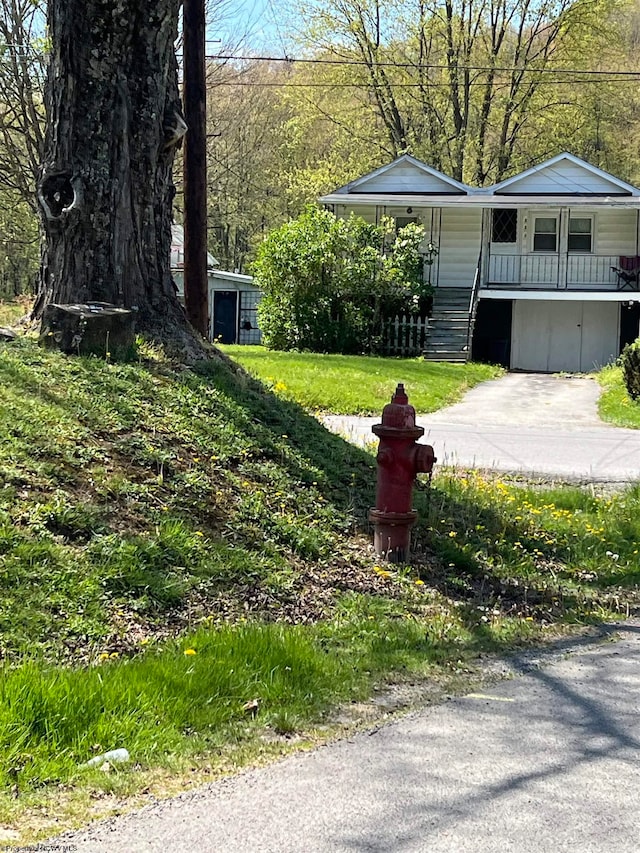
429, 85
416, 66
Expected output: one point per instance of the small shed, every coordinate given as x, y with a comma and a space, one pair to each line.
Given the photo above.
233, 297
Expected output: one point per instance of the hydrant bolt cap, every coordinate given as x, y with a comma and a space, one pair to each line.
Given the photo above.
400, 396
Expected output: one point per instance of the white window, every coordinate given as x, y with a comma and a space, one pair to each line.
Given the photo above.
545, 234
580, 237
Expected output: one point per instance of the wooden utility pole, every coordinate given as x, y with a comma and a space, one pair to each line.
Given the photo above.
195, 168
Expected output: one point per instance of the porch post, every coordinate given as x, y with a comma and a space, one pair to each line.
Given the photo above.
563, 248
485, 245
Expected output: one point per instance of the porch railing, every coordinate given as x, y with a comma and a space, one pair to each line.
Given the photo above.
571, 271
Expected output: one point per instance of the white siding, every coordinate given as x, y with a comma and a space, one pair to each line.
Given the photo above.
564, 177
600, 334
460, 235
615, 232
405, 178
225, 280
564, 336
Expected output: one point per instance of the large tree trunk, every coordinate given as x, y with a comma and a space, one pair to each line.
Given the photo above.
105, 190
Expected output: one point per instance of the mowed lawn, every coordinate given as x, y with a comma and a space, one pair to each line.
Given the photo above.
615, 404
359, 385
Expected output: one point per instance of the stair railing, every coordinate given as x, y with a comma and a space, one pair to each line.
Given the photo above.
473, 304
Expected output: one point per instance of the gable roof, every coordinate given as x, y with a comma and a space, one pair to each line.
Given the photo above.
564, 174
405, 175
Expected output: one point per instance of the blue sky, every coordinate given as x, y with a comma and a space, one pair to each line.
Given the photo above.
258, 23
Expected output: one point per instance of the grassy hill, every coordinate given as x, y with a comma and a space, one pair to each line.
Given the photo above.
186, 571
141, 498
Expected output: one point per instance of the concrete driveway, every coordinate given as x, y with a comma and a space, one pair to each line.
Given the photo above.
524, 423
529, 400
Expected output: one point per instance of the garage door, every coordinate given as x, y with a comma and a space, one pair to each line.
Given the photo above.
563, 335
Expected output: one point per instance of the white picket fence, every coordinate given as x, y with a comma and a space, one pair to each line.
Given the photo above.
405, 335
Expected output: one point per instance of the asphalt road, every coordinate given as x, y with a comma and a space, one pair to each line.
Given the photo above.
544, 762
528, 424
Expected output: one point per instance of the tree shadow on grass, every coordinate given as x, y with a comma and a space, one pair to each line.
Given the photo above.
349, 472
285, 433
459, 564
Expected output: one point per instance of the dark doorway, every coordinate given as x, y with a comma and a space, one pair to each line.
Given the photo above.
492, 332
225, 312
629, 323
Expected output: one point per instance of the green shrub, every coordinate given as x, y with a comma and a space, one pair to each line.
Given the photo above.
631, 368
328, 283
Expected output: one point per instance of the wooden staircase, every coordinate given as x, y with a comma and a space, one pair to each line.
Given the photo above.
450, 325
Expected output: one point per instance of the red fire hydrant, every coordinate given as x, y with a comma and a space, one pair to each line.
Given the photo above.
399, 459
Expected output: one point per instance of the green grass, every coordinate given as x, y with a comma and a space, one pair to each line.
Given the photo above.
147, 509
52, 720
359, 385
542, 553
12, 311
189, 697
141, 490
615, 405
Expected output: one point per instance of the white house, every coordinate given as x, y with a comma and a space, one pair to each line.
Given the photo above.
538, 272
233, 297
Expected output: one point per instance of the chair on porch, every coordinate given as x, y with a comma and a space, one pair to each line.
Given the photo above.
628, 272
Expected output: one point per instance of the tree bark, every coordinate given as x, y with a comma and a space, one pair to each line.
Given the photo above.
105, 189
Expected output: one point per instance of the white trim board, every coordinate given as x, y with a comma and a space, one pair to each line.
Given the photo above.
478, 199
562, 295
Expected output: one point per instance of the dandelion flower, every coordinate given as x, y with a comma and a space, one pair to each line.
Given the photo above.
190, 652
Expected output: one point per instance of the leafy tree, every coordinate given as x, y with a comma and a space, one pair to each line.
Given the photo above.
22, 60
246, 115
19, 246
22, 70
328, 283
272, 151
455, 82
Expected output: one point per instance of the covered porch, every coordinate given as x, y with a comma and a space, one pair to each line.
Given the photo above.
566, 272
543, 245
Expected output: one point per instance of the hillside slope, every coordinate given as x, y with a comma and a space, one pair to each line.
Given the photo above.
143, 498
